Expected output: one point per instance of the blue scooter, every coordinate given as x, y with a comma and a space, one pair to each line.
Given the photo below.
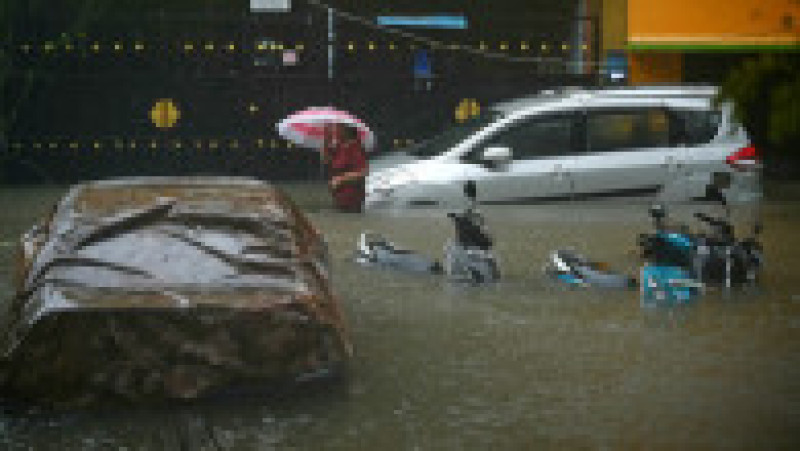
716, 257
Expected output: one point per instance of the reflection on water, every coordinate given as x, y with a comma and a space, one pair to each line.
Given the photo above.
519, 365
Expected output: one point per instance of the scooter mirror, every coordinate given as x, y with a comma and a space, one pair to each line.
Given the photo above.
470, 190
658, 211
713, 193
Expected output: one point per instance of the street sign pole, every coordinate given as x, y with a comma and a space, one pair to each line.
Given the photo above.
331, 39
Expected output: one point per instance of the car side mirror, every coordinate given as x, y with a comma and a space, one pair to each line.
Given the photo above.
496, 156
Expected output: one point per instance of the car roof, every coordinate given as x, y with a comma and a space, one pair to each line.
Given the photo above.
615, 95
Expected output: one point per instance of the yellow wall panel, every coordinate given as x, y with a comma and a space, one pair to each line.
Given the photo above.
654, 68
714, 22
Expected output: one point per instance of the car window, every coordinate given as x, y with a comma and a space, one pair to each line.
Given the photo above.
609, 131
452, 136
691, 127
536, 137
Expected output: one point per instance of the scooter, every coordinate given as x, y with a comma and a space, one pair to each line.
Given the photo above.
572, 268
469, 256
716, 257
375, 250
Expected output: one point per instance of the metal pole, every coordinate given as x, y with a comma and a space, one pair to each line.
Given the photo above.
579, 38
331, 38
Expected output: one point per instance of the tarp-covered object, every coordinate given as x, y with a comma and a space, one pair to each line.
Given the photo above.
159, 288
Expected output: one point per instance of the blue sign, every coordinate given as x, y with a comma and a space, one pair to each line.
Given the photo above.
616, 65
422, 64
451, 22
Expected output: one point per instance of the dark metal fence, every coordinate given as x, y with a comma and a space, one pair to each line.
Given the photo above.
89, 114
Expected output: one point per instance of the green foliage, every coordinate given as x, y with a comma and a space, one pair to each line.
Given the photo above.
765, 91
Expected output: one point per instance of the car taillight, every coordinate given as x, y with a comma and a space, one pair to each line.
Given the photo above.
745, 158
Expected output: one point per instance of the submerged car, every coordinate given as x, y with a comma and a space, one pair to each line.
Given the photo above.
577, 144
169, 288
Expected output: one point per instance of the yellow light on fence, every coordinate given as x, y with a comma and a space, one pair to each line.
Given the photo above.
210, 46
544, 46
152, 144
253, 108
300, 46
392, 46
48, 46
188, 46
371, 46
53, 145
25, 48
564, 46
260, 143
165, 113
523, 45
133, 144
231, 46
396, 142
178, 144
37, 145
117, 46
584, 47
273, 143
73, 145
198, 144
466, 109
96, 47
139, 46
504, 46
96, 145
68, 47
351, 46
482, 45
279, 46
212, 144
261, 46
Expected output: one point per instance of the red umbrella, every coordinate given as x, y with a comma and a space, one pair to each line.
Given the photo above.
306, 128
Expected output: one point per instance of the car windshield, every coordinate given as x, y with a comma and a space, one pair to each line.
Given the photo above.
452, 135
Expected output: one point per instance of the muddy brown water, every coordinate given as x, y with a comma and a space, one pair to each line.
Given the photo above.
524, 364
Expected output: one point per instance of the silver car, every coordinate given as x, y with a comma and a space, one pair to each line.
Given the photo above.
578, 144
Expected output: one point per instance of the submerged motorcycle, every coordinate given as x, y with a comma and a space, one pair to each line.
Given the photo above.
714, 257
469, 256
572, 268
375, 250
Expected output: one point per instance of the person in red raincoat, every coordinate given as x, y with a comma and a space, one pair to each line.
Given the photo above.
346, 163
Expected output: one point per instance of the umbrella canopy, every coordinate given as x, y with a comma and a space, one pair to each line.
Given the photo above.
306, 128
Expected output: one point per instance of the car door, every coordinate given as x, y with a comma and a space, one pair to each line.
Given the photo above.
541, 148
627, 153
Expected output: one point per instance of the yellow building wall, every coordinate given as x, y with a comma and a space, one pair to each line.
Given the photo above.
713, 22
655, 68
614, 29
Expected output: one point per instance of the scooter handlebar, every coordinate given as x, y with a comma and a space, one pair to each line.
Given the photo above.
711, 220
724, 228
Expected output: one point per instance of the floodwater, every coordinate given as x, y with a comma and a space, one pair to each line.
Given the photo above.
524, 364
